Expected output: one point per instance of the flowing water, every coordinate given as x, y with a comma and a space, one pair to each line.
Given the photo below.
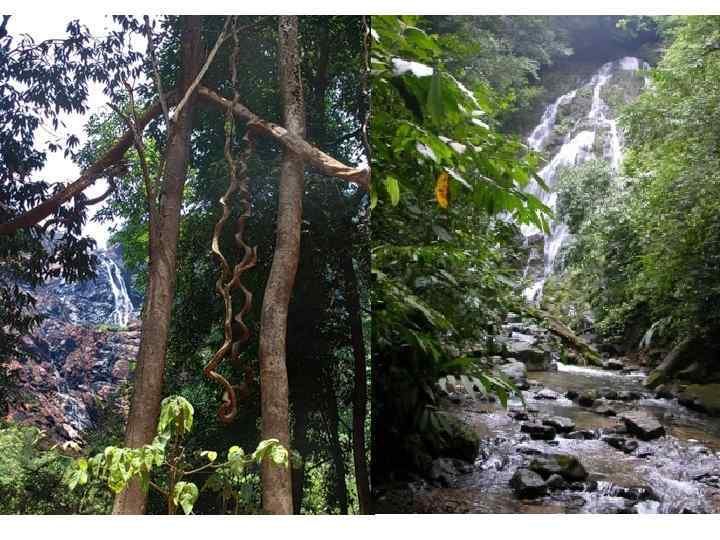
594, 136
123, 305
681, 469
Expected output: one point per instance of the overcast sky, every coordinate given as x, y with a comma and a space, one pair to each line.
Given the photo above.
58, 168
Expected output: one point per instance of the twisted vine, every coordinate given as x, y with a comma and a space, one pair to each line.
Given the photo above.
230, 279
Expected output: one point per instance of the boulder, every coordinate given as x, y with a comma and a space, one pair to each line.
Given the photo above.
566, 465
663, 392
605, 410
456, 440
627, 446
571, 394
534, 358
608, 393
515, 371
614, 364
538, 431
546, 393
643, 425
442, 471
528, 484
588, 398
560, 423
707, 395
556, 482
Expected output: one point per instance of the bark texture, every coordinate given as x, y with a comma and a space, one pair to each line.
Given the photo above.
276, 481
147, 389
292, 141
360, 390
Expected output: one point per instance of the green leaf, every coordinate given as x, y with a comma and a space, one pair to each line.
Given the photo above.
280, 455
392, 186
435, 99
185, 494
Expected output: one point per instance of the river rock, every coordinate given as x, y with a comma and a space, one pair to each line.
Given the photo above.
538, 431
588, 398
515, 371
546, 393
605, 410
556, 482
583, 434
566, 465
571, 394
707, 395
627, 446
443, 471
560, 423
608, 393
643, 425
534, 358
663, 392
528, 484
614, 364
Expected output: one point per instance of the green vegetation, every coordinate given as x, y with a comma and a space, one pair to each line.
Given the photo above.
166, 460
645, 256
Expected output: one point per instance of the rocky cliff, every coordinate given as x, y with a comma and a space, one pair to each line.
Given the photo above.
76, 361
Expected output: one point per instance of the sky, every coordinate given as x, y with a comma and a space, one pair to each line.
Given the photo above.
58, 168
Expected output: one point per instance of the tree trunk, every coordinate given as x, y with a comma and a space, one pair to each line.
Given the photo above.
147, 388
336, 451
276, 482
360, 389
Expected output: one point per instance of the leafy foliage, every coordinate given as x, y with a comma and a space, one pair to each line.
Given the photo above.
116, 466
442, 264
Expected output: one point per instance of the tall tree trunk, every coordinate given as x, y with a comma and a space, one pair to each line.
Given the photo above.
147, 388
276, 482
360, 389
338, 459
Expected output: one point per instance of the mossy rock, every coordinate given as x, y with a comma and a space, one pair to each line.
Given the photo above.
455, 440
655, 378
707, 394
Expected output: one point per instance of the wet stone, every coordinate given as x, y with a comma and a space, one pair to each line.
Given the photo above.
582, 434
538, 431
560, 423
605, 410
588, 398
546, 393
566, 465
528, 484
627, 446
643, 425
556, 482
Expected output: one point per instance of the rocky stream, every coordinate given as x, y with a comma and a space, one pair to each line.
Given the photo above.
583, 439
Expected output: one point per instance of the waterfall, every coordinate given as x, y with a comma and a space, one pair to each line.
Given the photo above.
123, 305
578, 146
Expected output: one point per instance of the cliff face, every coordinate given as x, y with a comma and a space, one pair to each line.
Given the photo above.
77, 359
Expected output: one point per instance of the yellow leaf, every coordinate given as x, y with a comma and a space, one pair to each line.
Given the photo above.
441, 189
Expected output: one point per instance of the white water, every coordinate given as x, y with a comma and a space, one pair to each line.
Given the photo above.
123, 305
577, 148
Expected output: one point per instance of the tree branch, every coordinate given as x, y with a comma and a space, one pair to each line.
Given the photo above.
221, 38
87, 178
312, 155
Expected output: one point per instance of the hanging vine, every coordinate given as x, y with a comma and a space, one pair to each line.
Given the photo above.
230, 279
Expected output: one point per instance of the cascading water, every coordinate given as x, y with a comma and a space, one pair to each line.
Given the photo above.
123, 305
595, 135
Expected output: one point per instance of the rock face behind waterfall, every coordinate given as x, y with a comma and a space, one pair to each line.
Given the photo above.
578, 126
75, 361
